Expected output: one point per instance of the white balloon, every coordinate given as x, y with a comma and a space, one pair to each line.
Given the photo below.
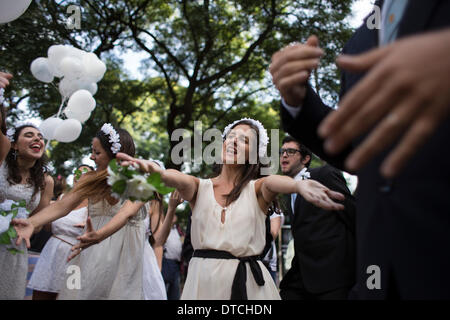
48, 127
82, 117
81, 102
67, 87
41, 70
71, 67
94, 68
55, 55
68, 131
87, 85
11, 10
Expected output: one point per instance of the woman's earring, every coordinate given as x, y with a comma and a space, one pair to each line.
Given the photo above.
15, 154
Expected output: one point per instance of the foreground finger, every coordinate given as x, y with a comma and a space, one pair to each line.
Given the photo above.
384, 134
408, 146
362, 62
353, 100
364, 118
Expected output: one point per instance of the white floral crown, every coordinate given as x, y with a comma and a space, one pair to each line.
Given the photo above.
114, 137
2, 98
10, 134
263, 137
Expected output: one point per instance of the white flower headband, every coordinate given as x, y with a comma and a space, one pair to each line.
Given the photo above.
114, 137
2, 98
10, 134
263, 137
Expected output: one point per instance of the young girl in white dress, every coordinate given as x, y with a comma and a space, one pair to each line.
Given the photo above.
22, 177
50, 271
112, 269
228, 216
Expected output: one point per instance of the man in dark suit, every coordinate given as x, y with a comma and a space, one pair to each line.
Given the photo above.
392, 130
324, 263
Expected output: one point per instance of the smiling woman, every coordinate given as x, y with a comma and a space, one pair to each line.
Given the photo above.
22, 177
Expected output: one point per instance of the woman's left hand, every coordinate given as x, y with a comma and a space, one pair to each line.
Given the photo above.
319, 195
89, 238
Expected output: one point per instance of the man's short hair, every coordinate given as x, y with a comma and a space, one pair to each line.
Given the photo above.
304, 151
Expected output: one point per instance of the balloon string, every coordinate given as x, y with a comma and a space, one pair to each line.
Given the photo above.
57, 116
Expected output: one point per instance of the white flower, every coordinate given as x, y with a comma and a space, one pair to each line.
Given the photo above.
114, 137
304, 174
6, 205
10, 134
107, 128
22, 213
113, 177
5, 222
115, 147
139, 188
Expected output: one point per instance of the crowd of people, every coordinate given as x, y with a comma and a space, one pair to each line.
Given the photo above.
388, 240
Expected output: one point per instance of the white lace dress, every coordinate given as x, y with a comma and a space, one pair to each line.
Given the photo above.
50, 270
153, 282
14, 268
111, 269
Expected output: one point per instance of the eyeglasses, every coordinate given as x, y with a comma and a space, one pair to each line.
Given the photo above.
289, 151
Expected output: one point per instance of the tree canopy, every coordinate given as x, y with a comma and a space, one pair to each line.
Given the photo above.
204, 61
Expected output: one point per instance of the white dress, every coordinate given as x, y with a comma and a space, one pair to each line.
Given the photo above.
111, 269
242, 234
14, 268
153, 282
50, 271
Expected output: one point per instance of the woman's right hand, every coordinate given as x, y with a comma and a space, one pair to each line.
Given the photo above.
143, 165
24, 229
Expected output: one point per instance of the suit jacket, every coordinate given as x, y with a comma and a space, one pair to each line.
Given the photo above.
324, 241
403, 224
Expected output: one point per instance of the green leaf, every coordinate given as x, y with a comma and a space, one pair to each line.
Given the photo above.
119, 187
12, 232
155, 180
113, 165
77, 174
14, 251
4, 238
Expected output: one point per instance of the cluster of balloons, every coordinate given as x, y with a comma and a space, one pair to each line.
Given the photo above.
79, 72
11, 10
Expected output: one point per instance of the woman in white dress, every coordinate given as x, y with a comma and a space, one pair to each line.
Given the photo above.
113, 268
152, 282
22, 177
50, 271
228, 216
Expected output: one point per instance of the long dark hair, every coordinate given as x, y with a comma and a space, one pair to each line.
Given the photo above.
247, 172
95, 184
37, 172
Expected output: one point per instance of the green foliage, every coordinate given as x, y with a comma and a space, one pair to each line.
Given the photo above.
205, 61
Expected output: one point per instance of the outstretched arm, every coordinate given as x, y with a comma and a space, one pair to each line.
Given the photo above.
26, 227
163, 233
186, 185
312, 191
92, 236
